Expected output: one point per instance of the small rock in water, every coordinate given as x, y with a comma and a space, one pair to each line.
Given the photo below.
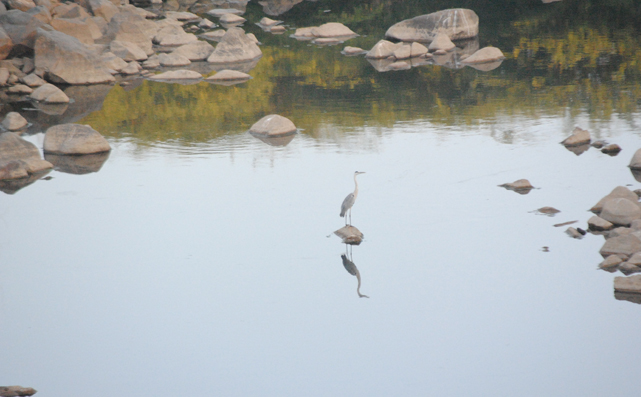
521, 186
628, 268
227, 74
400, 65
441, 42
350, 235
178, 75
572, 232
440, 52
579, 137
277, 29
269, 22
206, 24
20, 89
272, 125
352, 51
599, 224
550, 211
231, 18
485, 55
14, 121
598, 144
14, 391
417, 50
612, 149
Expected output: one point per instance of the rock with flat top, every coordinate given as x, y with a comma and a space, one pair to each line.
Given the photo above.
623, 246
273, 125
178, 75
352, 51
232, 19
620, 211
332, 29
402, 51
628, 284
49, 93
74, 139
13, 121
579, 137
350, 235
228, 75
172, 35
599, 224
14, 391
32, 80
522, 186
219, 12
269, 22
457, 24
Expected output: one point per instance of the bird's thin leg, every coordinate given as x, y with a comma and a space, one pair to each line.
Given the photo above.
350, 217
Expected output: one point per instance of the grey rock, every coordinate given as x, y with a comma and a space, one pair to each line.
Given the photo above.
178, 75
636, 225
457, 24
216, 35
597, 223
28, 65
13, 391
32, 80
132, 67
381, 50
573, 232
21, 27
273, 125
352, 51
41, 13
132, 28
127, 51
173, 59
623, 246
172, 36
579, 137
227, 75
635, 163
235, 46
417, 50
441, 42
269, 22
219, 12
620, 211
332, 29
485, 55
112, 61
619, 231
49, 93
74, 139
628, 284
206, 24
610, 263
403, 51
183, 16
103, 8
13, 121
635, 259
75, 28
151, 63
64, 59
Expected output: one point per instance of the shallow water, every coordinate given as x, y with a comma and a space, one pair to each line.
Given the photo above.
197, 259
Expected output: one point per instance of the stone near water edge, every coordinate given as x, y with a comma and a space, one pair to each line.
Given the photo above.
196, 51
352, 51
228, 75
326, 41
485, 55
151, 63
12, 170
28, 65
382, 49
15, 391
127, 51
403, 51
206, 24
635, 259
216, 35
172, 35
628, 284
112, 61
628, 268
618, 231
519, 185
49, 93
417, 50
178, 75
75, 28
332, 29
304, 32
252, 37
272, 125
234, 47
440, 52
599, 224
457, 24
611, 149
32, 80
574, 233
26, 154
182, 16
611, 263
63, 59
277, 29
4, 76
14, 121
132, 67
617, 192
623, 246
74, 139
620, 211
269, 22
20, 89
232, 19
635, 162
173, 59
441, 42
579, 137
350, 235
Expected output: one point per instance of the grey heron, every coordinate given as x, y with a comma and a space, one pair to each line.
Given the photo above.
349, 200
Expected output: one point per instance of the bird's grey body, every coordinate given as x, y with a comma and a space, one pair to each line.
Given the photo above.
349, 201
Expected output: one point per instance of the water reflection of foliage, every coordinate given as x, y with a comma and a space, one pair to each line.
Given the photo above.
549, 70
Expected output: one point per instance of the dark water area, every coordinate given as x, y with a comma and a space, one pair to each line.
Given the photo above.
196, 258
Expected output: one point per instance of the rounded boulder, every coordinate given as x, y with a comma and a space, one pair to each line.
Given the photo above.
74, 139
273, 125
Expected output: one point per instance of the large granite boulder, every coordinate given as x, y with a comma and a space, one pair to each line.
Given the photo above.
620, 211
74, 139
457, 24
235, 46
49, 93
484, 55
172, 35
21, 27
382, 49
131, 28
75, 28
332, 29
617, 192
6, 44
103, 8
273, 125
623, 246
196, 51
19, 158
64, 59
579, 137
14, 121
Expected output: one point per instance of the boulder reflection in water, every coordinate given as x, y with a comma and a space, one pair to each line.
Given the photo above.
78, 165
11, 186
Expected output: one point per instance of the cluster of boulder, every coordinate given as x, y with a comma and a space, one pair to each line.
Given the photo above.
580, 141
430, 39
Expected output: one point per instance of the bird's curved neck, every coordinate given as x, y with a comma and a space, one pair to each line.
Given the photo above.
358, 288
356, 186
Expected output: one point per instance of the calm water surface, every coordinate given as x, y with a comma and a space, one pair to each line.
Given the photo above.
197, 260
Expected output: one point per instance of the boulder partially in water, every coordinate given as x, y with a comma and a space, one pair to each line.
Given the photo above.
235, 46
485, 55
623, 246
178, 75
350, 235
49, 93
381, 50
441, 42
635, 162
74, 139
457, 24
14, 121
14, 391
599, 224
522, 186
579, 137
196, 51
617, 192
628, 284
620, 211
228, 75
273, 125
332, 29
19, 158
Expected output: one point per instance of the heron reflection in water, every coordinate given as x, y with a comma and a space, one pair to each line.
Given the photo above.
348, 203
353, 270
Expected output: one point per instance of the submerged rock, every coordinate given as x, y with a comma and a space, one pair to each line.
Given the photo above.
273, 125
74, 139
579, 137
457, 24
78, 165
178, 75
